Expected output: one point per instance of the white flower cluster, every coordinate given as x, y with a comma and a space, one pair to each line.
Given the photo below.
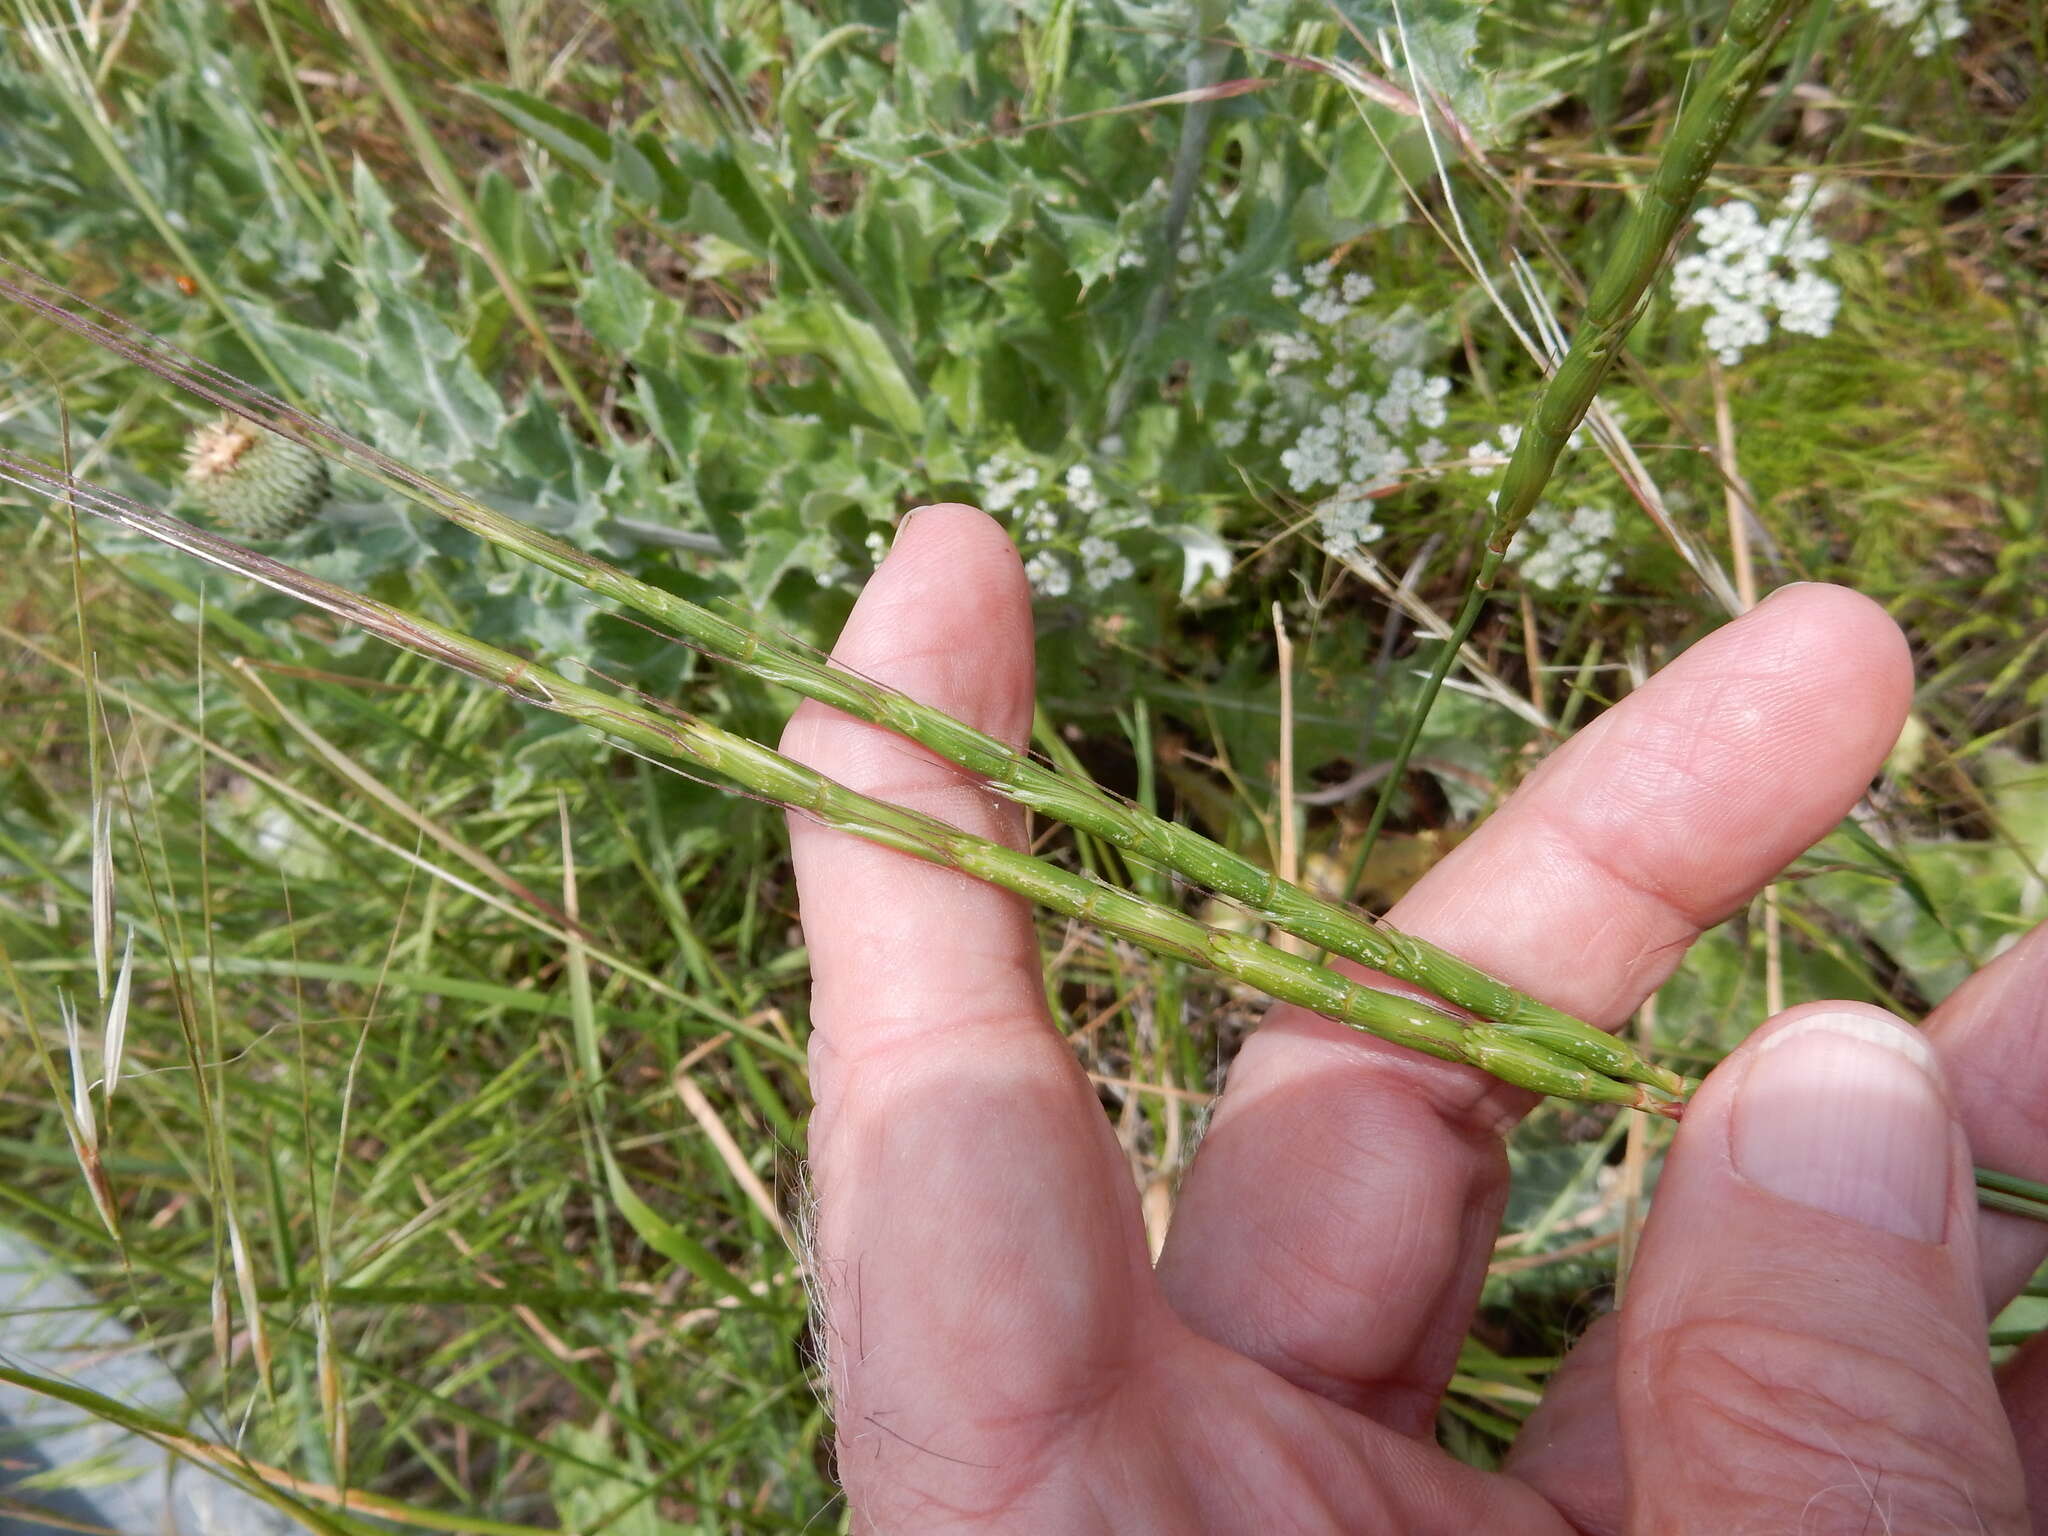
1347, 519
1038, 523
1048, 574
1559, 550
1934, 22
1412, 398
1746, 269
1003, 481
1103, 565
1347, 442
1039, 512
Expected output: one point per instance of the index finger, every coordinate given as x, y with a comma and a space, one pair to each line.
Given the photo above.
978, 1253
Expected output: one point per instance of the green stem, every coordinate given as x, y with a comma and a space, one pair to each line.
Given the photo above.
1161, 930
1508, 1055
1205, 68
2015, 1196
1325, 924
1616, 303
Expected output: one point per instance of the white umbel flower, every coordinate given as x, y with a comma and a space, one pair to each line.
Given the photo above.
1081, 491
1933, 22
1747, 271
1556, 550
1048, 574
1003, 481
1346, 520
1103, 564
1492, 455
1038, 523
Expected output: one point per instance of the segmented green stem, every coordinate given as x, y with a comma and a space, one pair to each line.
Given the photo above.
1328, 925
1512, 1057
1089, 808
1509, 1054
1718, 100
1075, 802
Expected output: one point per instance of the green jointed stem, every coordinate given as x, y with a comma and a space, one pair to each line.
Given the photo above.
1623, 287
1073, 801
1717, 102
1328, 925
1083, 805
767, 773
1509, 1054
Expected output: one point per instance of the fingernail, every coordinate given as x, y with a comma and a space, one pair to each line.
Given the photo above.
1787, 587
1841, 1112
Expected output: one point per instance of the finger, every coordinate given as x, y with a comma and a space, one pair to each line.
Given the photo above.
947, 620
1987, 1036
978, 1247
1803, 1344
2023, 1386
1569, 1448
1337, 1221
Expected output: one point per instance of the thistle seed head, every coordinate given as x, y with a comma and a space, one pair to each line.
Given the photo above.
253, 482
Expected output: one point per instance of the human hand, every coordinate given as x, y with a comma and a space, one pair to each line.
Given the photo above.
1803, 1346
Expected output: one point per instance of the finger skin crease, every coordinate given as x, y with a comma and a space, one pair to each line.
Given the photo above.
857, 1033
1664, 888
892, 1059
1786, 1441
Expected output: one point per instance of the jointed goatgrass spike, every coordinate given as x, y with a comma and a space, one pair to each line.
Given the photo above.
1510, 1056
1326, 924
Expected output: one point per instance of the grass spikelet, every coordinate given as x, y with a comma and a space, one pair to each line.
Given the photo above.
83, 1126
115, 1042
223, 1322
328, 1375
245, 1282
81, 1080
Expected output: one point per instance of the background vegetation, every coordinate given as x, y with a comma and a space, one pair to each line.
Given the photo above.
456, 1147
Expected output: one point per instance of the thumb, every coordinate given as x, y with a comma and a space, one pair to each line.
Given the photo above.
1803, 1347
